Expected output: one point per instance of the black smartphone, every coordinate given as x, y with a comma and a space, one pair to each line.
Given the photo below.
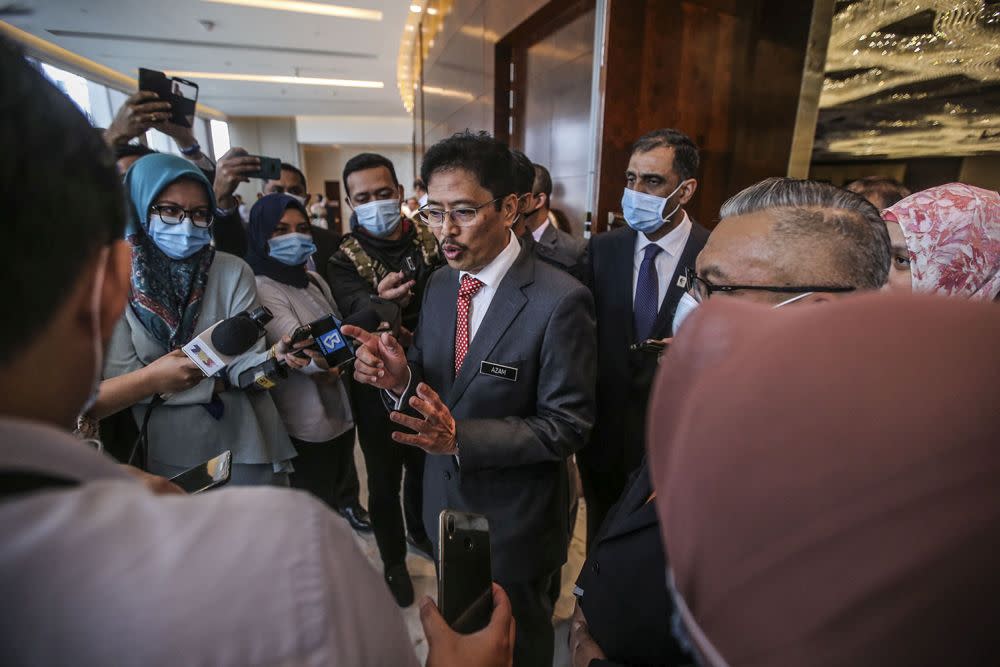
388, 311
648, 346
270, 168
208, 475
336, 348
465, 578
409, 268
181, 93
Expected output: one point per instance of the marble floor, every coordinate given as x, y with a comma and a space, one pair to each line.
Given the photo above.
421, 571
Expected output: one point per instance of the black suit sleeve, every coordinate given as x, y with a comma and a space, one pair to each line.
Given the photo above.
565, 398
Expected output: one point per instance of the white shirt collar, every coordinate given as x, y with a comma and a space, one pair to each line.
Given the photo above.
673, 243
492, 274
541, 230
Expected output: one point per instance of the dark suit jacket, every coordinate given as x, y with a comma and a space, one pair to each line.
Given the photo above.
562, 250
624, 378
625, 596
514, 436
327, 243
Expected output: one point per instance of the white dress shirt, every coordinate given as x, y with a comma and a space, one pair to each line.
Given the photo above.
106, 573
541, 230
666, 261
491, 276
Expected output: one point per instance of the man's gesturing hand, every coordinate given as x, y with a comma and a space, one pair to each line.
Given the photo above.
379, 360
436, 431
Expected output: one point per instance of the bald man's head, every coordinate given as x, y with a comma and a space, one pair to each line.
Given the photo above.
786, 232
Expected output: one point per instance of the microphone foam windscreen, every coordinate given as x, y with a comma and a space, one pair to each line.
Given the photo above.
366, 319
235, 335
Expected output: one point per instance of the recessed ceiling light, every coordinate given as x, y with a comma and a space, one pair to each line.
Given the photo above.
416, 9
303, 7
432, 11
266, 78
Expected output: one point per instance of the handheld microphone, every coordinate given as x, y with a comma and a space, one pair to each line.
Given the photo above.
266, 375
218, 346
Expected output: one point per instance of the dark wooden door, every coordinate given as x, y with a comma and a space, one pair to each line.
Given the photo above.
332, 194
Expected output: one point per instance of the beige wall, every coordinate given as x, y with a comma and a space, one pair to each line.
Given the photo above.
326, 163
981, 171
270, 137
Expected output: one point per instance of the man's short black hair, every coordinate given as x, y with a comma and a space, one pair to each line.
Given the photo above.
543, 181
52, 162
365, 161
419, 185
686, 156
132, 150
479, 154
298, 172
524, 173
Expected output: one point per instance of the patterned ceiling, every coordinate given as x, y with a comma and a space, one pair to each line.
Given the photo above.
911, 78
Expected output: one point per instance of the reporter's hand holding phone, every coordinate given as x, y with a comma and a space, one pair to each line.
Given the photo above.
284, 351
493, 646
396, 287
140, 112
232, 169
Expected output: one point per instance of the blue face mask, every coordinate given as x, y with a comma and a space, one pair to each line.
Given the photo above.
644, 212
291, 249
178, 241
685, 307
379, 218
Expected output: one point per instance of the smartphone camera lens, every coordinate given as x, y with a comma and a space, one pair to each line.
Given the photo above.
469, 546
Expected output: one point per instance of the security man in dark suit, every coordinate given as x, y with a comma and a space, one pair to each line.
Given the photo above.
533, 186
499, 383
636, 274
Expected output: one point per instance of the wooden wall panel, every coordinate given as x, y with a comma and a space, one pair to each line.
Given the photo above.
727, 73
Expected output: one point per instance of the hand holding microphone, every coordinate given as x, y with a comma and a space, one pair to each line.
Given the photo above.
173, 373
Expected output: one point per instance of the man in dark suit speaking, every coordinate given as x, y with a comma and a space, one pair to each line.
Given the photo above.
499, 383
637, 276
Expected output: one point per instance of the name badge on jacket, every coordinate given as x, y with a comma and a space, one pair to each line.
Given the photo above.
498, 370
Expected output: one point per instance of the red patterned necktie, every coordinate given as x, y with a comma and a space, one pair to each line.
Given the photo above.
466, 291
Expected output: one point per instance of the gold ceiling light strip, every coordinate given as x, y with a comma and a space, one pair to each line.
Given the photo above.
302, 7
273, 78
423, 25
60, 57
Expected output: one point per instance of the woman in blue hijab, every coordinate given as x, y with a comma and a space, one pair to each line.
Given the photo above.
313, 401
181, 286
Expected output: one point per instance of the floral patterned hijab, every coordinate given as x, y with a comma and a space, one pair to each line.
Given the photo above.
953, 235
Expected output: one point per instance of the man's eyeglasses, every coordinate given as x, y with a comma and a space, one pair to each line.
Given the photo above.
175, 215
464, 216
702, 289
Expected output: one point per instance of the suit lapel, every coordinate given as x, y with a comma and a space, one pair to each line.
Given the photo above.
443, 355
505, 306
635, 512
549, 236
663, 327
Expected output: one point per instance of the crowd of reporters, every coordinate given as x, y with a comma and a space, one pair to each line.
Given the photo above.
808, 486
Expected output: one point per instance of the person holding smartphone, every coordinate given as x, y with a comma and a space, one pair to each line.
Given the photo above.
313, 400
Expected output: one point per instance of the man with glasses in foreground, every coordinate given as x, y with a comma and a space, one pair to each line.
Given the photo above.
782, 241
498, 387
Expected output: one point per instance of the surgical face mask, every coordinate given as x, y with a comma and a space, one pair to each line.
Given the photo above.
685, 307
95, 324
644, 212
380, 217
291, 249
423, 200
178, 241
792, 300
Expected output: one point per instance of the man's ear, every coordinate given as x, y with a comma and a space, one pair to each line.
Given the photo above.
399, 192
688, 191
117, 282
509, 209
